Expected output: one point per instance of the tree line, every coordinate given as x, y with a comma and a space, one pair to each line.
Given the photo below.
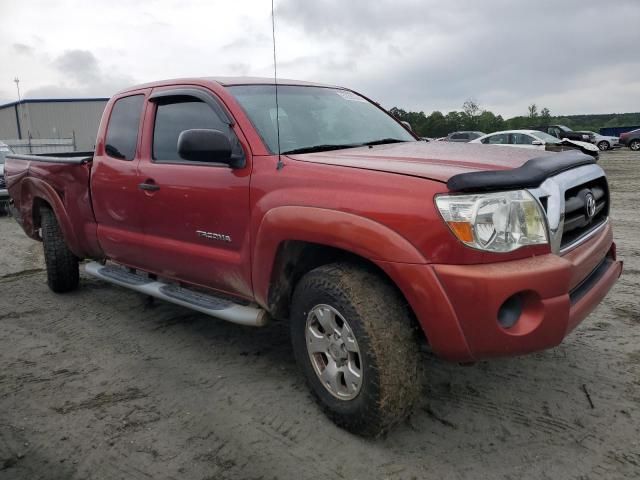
472, 117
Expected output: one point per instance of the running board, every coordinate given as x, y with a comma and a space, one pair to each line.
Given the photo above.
221, 308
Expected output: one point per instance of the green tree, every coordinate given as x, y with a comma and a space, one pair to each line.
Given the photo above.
545, 116
533, 111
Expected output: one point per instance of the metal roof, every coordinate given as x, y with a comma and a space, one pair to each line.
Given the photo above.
25, 101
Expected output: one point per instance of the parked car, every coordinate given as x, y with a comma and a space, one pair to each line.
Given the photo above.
631, 139
536, 140
463, 137
604, 142
364, 239
562, 132
4, 194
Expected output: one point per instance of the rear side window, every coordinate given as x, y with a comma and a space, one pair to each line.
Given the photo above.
122, 131
460, 136
172, 118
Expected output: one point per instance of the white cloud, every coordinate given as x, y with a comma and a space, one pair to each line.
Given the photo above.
574, 56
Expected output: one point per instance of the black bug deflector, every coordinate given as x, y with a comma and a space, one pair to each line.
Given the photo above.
530, 175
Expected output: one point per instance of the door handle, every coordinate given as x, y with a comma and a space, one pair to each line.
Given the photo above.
148, 186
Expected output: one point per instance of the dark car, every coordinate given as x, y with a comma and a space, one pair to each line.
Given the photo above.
463, 137
4, 194
631, 139
560, 131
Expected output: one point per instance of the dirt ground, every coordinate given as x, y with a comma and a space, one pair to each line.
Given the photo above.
100, 384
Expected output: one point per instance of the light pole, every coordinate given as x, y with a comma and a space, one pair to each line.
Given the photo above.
17, 80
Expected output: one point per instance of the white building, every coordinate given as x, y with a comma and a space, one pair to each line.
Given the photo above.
51, 125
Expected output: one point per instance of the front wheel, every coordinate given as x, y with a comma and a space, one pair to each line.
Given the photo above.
634, 145
354, 341
603, 145
62, 265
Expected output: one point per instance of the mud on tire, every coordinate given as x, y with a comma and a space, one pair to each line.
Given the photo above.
62, 264
380, 321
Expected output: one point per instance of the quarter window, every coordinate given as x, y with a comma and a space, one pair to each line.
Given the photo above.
122, 131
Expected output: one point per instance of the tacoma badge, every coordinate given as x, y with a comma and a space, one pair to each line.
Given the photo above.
214, 236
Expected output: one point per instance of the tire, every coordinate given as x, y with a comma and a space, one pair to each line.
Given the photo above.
62, 265
378, 325
603, 145
634, 145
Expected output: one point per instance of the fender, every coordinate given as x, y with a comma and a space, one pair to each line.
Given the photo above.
34, 189
359, 235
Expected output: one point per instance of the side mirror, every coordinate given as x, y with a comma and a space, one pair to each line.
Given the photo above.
537, 142
202, 145
407, 125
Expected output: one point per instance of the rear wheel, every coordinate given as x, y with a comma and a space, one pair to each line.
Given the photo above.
634, 145
62, 264
354, 341
603, 145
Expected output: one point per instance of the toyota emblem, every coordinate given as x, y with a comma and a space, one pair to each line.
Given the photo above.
590, 205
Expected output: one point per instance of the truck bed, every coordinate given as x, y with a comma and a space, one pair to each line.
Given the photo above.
59, 182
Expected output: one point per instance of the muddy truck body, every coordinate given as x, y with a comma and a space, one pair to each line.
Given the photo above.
326, 212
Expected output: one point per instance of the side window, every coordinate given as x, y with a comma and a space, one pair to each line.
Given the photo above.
459, 136
177, 114
555, 132
122, 131
499, 139
522, 139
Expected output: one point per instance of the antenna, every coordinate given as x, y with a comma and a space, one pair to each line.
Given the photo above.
17, 80
275, 82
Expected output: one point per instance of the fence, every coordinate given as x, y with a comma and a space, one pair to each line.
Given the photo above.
42, 145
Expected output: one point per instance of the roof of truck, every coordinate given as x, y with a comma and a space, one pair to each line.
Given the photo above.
228, 81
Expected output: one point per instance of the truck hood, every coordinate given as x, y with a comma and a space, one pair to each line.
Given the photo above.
434, 160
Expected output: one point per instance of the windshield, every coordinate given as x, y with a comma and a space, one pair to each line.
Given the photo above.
316, 118
546, 138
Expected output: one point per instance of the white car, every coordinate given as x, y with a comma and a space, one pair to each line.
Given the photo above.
537, 140
604, 142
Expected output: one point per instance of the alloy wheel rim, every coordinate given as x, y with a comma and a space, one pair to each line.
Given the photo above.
333, 352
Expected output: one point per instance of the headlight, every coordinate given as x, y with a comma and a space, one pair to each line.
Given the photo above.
497, 222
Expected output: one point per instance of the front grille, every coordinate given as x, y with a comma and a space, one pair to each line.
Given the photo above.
577, 221
3, 184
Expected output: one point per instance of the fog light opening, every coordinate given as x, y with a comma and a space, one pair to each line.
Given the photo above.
511, 310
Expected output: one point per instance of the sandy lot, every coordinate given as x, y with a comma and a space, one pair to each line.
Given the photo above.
101, 384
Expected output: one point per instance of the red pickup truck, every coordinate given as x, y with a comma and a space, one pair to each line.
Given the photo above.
327, 212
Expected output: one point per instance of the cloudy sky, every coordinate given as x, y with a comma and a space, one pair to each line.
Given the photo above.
573, 56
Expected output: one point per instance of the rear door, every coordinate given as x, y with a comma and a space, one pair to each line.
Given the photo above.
114, 181
195, 214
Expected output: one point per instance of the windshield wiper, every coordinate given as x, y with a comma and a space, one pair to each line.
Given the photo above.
331, 146
320, 148
382, 141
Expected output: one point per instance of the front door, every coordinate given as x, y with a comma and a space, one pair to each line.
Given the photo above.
195, 214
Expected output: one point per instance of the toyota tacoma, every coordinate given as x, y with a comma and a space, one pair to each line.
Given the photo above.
250, 200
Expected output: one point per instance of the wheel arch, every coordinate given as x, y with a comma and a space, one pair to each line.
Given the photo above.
292, 241
37, 194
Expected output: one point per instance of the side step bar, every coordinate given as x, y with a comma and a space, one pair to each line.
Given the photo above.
250, 315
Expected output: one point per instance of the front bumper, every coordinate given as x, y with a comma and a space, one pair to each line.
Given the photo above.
460, 313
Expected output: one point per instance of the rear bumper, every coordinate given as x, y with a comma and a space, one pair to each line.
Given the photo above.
459, 314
